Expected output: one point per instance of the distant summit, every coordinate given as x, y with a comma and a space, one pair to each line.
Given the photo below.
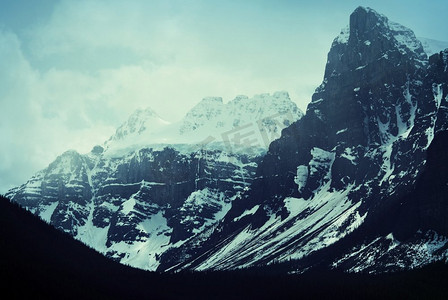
211, 123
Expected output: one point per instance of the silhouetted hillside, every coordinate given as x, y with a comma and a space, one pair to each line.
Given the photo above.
37, 259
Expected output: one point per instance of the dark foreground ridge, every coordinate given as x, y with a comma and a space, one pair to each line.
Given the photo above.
39, 261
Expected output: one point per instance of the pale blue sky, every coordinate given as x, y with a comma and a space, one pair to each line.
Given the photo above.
72, 71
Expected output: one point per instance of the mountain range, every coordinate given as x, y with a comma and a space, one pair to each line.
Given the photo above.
357, 183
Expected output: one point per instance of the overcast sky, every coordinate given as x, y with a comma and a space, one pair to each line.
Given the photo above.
72, 71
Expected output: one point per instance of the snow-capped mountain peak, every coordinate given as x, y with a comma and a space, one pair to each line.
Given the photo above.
242, 110
209, 108
369, 38
142, 120
373, 33
254, 121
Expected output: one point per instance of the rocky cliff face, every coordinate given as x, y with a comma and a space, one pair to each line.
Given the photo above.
355, 154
